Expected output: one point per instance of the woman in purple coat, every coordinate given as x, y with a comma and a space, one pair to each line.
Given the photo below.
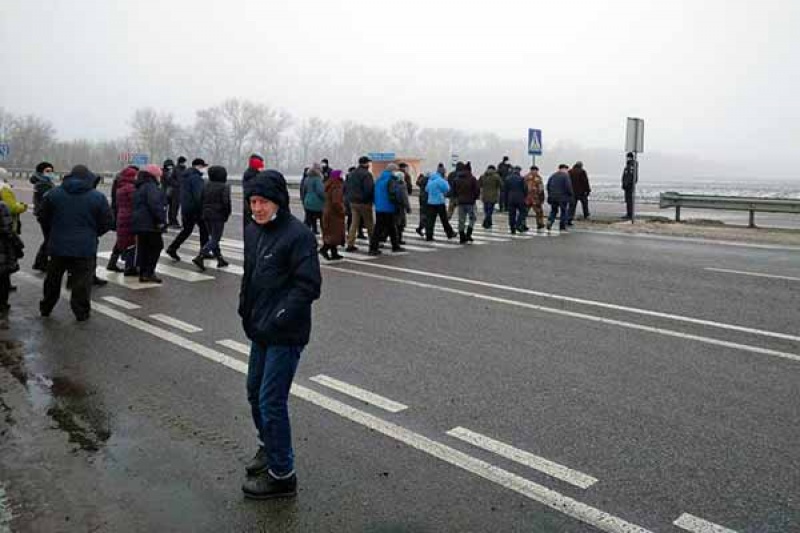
126, 240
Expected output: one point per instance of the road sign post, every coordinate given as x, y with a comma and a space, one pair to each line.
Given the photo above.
534, 144
634, 143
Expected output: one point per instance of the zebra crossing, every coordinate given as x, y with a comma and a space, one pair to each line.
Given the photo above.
233, 251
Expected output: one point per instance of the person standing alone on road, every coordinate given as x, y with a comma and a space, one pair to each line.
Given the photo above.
216, 211
629, 178
76, 216
559, 196
281, 280
192, 185
580, 189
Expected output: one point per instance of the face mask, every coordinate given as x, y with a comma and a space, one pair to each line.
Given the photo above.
50, 175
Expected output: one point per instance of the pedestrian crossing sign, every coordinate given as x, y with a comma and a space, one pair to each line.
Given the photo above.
534, 142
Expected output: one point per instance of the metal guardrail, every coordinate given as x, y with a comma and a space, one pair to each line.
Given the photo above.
728, 203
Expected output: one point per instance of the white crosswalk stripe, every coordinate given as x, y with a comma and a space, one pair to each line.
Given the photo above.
165, 270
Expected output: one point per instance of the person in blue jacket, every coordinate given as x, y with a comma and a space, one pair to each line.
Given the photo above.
385, 211
75, 216
437, 189
192, 185
281, 280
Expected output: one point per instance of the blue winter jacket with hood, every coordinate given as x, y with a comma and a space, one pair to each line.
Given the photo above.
76, 215
383, 203
281, 271
437, 189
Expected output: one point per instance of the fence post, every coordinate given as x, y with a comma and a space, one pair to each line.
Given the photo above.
752, 218
677, 213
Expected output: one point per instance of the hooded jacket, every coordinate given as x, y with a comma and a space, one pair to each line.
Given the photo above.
437, 189
559, 188
217, 196
580, 181
16, 207
192, 192
313, 192
149, 205
383, 203
125, 190
76, 215
466, 189
281, 271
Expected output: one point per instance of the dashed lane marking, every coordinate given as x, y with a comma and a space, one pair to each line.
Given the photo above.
593, 303
552, 469
119, 302
533, 491
236, 346
582, 316
753, 274
698, 525
175, 323
359, 393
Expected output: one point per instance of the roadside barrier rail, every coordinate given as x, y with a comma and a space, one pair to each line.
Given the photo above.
728, 203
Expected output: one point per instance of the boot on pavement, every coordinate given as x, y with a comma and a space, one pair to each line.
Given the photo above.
221, 263
265, 486
462, 237
258, 464
112, 262
198, 261
469, 234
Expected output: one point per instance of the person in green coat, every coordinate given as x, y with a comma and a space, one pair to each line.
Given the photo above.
491, 184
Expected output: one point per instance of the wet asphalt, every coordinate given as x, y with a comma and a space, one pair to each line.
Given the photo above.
675, 386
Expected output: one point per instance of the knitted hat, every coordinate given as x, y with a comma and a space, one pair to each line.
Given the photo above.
153, 170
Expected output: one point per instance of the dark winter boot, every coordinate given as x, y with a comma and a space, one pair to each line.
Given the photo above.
324, 252
335, 256
469, 235
221, 263
198, 261
462, 237
265, 486
112, 262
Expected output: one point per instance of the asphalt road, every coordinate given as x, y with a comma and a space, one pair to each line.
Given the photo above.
573, 382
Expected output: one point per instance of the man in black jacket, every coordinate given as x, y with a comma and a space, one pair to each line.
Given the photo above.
629, 178
173, 191
281, 280
191, 208
360, 190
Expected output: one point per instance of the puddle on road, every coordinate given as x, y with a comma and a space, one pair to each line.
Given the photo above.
72, 406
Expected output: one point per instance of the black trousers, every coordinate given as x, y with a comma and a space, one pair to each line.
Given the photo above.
81, 272
312, 217
148, 249
189, 222
5, 288
40, 263
440, 211
385, 224
629, 203
174, 198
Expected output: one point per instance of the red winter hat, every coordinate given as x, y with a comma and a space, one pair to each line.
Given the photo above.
256, 162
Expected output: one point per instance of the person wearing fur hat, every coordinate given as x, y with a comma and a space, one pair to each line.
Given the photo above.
281, 280
76, 216
216, 211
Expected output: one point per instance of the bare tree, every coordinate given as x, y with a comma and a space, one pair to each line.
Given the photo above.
313, 140
269, 132
154, 133
405, 137
31, 137
239, 118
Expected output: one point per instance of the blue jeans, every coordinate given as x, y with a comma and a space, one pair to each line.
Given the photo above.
488, 211
269, 377
554, 209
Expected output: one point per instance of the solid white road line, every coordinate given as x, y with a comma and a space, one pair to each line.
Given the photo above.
175, 323
119, 302
552, 469
754, 274
691, 240
533, 491
359, 393
236, 346
172, 272
594, 303
698, 525
129, 282
571, 314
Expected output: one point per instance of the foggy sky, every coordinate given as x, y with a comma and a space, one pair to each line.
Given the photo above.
718, 78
